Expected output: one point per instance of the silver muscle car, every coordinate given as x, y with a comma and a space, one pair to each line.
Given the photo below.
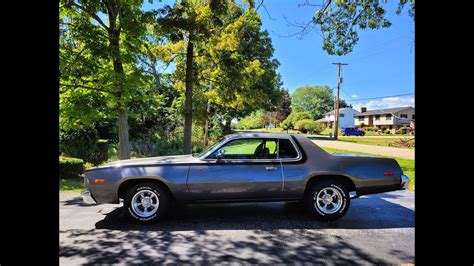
244, 168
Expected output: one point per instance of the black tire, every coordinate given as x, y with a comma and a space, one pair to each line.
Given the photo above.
327, 185
147, 187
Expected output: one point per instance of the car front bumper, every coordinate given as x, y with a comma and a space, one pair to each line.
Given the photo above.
404, 182
87, 197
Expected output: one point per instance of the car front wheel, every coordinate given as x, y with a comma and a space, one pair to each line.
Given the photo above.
328, 200
146, 202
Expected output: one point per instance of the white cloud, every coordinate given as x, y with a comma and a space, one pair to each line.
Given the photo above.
389, 102
354, 96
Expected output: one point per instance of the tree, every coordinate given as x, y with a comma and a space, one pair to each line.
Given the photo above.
252, 121
317, 100
284, 108
189, 22
344, 104
98, 61
340, 20
233, 66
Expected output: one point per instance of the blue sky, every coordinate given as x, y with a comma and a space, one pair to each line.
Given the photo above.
382, 63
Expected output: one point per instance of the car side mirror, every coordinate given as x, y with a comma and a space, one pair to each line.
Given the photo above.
220, 156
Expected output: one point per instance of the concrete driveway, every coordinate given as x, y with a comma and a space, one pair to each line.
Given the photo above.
378, 229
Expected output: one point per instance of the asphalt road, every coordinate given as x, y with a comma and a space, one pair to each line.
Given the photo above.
378, 229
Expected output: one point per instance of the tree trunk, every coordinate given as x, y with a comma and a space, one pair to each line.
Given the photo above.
206, 128
227, 128
188, 102
124, 144
208, 110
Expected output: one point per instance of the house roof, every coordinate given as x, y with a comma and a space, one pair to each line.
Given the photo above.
324, 120
383, 111
341, 109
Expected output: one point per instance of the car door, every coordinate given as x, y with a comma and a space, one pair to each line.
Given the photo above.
250, 169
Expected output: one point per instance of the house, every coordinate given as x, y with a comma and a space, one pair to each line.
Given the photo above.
390, 118
346, 118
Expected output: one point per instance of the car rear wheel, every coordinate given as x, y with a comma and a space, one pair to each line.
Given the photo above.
146, 202
328, 200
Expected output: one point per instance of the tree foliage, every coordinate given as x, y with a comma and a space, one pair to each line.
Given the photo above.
99, 75
233, 66
317, 100
132, 75
339, 21
309, 126
284, 107
293, 118
252, 121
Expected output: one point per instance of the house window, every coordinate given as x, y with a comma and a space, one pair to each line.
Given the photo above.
361, 118
341, 115
403, 116
377, 117
413, 117
388, 117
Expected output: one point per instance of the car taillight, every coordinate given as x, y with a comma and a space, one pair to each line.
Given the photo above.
387, 173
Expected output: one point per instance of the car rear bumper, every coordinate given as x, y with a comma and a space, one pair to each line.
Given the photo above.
404, 182
87, 197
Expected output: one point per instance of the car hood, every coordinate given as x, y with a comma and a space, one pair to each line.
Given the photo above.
174, 159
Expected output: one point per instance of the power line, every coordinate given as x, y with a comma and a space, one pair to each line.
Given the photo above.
347, 94
358, 100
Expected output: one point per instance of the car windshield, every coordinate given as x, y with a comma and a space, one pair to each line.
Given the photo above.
207, 149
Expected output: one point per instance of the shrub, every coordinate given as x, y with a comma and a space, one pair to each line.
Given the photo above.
252, 121
309, 126
100, 154
370, 129
70, 167
360, 124
79, 143
403, 130
88, 165
290, 121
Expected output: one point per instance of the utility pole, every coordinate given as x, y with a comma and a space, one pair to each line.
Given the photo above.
336, 111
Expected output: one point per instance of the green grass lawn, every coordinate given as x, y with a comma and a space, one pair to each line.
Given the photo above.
71, 185
407, 165
370, 141
325, 132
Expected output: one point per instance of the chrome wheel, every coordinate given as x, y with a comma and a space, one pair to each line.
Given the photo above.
145, 203
328, 200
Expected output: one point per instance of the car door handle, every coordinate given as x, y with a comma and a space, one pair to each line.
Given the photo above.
270, 168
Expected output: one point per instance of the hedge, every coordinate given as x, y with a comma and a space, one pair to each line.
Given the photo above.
100, 154
79, 143
293, 118
309, 126
70, 167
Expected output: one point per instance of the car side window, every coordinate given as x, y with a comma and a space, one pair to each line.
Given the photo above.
286, 149
248, 149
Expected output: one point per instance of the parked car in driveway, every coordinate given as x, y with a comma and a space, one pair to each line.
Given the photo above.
247, 167
352, 132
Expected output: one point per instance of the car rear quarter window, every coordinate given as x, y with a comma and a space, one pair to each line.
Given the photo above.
287, 150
